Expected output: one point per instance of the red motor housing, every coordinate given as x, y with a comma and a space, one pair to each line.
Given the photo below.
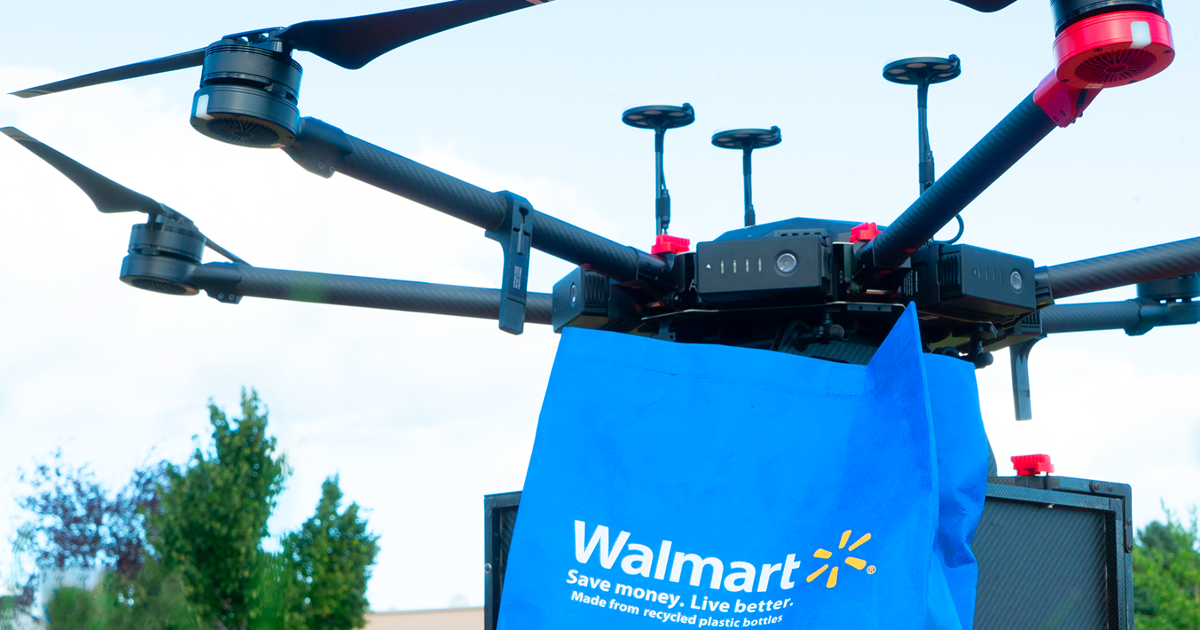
1113, 49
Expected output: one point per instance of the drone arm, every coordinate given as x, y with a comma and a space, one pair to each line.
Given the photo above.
1135, 317
229, 282
322, 148
1117, 270
990, 158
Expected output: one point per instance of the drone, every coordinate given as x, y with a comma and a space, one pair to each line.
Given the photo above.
824, 288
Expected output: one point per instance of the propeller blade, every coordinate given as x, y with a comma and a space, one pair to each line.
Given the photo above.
224, 252
986, 6
355, 41
108, 195
145, 68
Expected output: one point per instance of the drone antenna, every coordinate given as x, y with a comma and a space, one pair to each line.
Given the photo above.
747, 140
924, 71
660, 118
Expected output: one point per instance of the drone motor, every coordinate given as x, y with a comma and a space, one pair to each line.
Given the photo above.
1110, 43
159, 274
162, 254
248, 94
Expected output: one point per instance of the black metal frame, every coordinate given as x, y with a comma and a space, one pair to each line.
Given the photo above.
495, 550
1110, 502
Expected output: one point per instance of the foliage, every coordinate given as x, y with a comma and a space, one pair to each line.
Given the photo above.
212, 515
154, 600
79, 525
1166, 578
181, 546
330, 556
22, 584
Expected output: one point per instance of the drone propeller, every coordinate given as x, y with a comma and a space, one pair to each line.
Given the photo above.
986, 6
351, 42
109, 196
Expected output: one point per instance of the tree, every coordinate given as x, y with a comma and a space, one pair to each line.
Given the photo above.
330, 557
1166, 575
212, 515
154, 600
78, 523
182, 545
21, 584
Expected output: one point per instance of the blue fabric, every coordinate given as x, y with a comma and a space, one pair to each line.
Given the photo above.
724, 487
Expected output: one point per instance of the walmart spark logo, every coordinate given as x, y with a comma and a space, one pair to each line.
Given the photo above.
853, 562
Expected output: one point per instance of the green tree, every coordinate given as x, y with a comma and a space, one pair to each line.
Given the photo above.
182, 545
331, 557
212, 515
1166, 575
153, 600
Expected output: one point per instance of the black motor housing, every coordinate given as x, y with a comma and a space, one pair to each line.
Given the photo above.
162, 255
249, 94
1068, 12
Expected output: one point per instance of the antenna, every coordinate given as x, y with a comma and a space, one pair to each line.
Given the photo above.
924, 71
660, 118
747, 140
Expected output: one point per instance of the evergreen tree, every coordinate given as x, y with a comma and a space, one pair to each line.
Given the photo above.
330, 556
212, 515
1166, 575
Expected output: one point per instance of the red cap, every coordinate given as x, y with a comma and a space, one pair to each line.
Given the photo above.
864, 232
1030, 465
665, 244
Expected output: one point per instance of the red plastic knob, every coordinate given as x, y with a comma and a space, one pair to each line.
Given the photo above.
665, 244
1030, 465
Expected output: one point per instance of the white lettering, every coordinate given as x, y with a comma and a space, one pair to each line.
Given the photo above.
644, 559
698, 565
608, 555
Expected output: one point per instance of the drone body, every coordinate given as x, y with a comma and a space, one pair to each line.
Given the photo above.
549, 130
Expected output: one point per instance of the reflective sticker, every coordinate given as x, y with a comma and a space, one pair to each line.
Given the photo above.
1141, 35
202, 108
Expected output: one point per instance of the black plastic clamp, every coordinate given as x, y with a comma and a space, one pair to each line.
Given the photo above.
515, 235
320, 147
219, 281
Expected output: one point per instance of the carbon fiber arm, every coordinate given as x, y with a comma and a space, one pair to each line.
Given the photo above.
1117, 270
1135, 317
321, 147
221, 279
990, 158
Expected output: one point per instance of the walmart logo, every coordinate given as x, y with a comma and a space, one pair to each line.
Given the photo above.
858, 564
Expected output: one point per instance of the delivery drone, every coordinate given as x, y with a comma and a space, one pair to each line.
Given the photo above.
823, 288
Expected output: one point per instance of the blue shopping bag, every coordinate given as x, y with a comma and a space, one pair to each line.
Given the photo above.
708, 486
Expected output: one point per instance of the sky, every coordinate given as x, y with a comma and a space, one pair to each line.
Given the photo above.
422, 415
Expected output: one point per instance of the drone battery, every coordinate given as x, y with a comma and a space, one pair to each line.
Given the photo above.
1053, 552
785, 265
586, 299
967, 282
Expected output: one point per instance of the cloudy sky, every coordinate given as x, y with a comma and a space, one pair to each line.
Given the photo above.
423, 415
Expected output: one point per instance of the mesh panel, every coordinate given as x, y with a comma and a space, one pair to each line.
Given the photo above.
1115, 66
244, 132
159, 286
1042, 567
